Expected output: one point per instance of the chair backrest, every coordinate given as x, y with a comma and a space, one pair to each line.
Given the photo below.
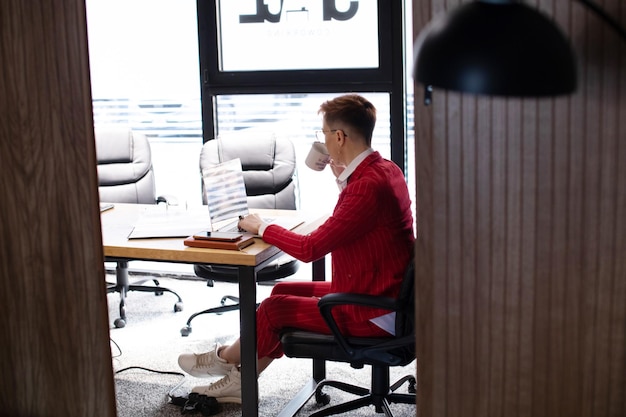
125, 173
399, 350
405, 318
268, 162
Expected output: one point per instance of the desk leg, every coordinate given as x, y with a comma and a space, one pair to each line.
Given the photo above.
319, 274
247, 319
122, 284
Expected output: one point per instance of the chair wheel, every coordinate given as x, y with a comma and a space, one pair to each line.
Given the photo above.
119, 323
184, 332
178, 307
412, 383
157, 293
321, 397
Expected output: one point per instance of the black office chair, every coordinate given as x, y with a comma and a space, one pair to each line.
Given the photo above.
269, 172
379, 353
126, 175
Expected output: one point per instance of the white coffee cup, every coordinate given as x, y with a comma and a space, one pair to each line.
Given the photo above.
318, 157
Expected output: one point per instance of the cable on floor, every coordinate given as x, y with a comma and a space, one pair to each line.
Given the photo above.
194, 403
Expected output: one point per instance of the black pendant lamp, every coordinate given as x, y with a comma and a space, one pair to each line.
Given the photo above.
497, 48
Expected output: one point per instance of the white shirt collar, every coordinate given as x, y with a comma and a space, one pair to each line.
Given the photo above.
342, 179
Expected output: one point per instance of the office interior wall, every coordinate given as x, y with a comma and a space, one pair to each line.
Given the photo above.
521, 277
55, 352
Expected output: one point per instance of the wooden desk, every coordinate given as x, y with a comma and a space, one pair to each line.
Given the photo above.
118, 223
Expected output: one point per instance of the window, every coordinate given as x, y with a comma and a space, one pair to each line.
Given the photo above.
153, 60
255, 46
297, 31
297, 35
295, 116
145, 74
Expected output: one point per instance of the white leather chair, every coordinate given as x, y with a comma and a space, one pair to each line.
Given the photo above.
270, 177
126, 175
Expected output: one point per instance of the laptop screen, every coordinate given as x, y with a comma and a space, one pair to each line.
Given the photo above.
225, 191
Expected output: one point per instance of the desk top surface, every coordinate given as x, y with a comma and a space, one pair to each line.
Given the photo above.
117, 223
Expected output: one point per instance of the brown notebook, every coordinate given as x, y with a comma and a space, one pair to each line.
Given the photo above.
245, 240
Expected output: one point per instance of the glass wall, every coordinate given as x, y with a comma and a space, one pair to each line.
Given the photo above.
145, 74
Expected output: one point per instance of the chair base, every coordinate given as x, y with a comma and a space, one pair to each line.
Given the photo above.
223, 308
123, 286
381, 395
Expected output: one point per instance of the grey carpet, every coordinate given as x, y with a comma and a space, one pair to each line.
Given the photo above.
152, 340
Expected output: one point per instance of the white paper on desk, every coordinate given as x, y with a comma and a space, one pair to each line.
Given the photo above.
169, 222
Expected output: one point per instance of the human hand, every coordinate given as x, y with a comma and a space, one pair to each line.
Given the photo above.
336, 167
251, 223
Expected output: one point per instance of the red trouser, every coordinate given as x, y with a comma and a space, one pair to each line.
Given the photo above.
294, 304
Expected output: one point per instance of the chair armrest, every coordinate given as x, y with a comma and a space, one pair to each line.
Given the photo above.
366, 300
330, 301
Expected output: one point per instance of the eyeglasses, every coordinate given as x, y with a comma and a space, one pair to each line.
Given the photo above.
321, 134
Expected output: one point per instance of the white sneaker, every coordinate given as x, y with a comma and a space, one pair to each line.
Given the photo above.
205, 364
225, 390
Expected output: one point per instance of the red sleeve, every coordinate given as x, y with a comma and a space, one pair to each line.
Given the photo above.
350, 219
373, 209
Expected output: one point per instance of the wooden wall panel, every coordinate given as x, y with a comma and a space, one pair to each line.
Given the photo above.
521, 213
54, 340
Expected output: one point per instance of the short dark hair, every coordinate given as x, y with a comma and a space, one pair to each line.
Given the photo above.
353, 110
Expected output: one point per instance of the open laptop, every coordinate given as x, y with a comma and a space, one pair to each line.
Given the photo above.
226, 196
225, 193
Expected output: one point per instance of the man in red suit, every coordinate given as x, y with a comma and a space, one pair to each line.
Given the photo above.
369, 236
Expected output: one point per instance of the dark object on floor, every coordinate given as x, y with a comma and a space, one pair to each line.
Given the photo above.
196, 403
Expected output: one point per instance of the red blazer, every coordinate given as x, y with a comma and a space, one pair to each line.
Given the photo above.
369, 234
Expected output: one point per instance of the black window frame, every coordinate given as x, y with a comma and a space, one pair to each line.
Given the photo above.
388, 77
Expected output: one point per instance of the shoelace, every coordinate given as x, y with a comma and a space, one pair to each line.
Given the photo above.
203, 361
220, 383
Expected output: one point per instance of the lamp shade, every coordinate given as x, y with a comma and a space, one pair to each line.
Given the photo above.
495, 48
